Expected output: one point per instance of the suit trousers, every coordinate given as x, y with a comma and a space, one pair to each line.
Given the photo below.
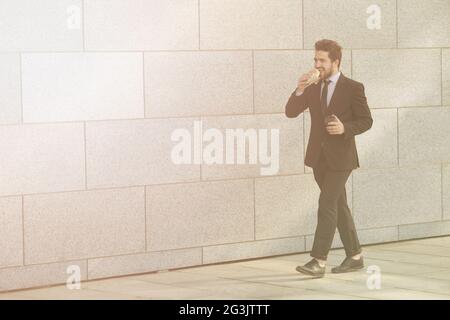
333, 212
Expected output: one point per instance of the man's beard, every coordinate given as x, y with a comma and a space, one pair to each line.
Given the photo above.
325, 74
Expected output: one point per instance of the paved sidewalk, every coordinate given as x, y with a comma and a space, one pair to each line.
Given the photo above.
418, 269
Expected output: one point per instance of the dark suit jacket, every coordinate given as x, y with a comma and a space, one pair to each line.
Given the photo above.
349, 104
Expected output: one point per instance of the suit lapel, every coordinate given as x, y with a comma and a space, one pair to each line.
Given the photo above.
316, 95
337, 95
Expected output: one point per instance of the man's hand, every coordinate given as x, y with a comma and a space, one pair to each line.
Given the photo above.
301, 83
305, 79
335, 126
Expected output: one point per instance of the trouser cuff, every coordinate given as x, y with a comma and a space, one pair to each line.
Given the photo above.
353, 253
318, 256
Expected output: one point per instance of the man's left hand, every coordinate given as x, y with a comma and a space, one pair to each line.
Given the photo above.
335, 126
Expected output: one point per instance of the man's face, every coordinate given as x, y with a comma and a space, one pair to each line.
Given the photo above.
323, 63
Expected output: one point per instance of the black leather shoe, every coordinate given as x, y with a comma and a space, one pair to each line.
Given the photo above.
349, 265
312, 268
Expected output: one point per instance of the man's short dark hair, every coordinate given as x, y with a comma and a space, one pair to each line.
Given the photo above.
332, 47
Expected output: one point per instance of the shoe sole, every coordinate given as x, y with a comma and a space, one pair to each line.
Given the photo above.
298, 269
348, 270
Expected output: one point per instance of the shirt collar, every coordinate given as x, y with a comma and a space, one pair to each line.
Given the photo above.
334, 78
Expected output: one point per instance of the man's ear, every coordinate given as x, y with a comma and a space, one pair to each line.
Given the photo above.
337, 61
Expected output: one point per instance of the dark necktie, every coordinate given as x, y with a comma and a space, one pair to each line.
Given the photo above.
323, 99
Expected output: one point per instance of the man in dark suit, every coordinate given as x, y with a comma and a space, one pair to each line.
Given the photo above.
331, 152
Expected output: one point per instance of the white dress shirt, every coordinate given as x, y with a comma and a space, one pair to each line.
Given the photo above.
331, 86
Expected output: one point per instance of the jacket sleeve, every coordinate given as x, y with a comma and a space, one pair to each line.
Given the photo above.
361, 114
296, 104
